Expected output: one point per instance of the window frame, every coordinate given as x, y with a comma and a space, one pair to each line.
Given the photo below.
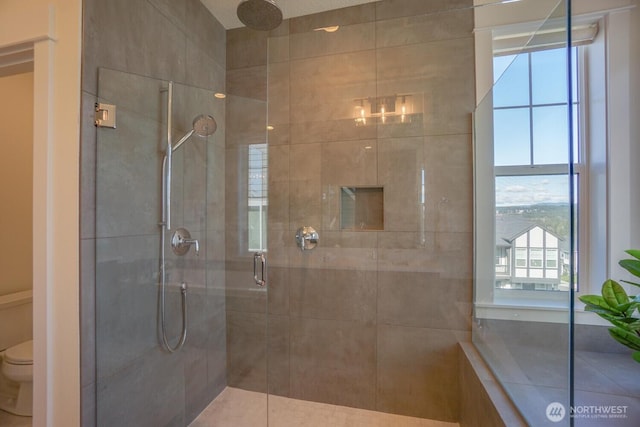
558, 169
612, 202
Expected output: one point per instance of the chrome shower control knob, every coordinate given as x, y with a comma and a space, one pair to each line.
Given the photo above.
182, 241
307, 238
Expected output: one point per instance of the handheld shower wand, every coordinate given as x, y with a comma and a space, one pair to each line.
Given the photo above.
203, 125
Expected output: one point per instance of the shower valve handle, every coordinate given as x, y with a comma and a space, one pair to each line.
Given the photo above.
193, 242
182, 241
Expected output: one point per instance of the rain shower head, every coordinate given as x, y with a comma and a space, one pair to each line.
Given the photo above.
262, 15
203, 125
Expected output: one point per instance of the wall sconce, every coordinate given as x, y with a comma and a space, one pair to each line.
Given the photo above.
383, 109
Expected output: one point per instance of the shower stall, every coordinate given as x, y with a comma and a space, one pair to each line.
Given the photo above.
332, 217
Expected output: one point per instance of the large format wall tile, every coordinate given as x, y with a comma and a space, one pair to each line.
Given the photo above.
279, 354
148, 50
397, 8
446, 80
369, 319
325, 88
333, 362
424, 361
246, 48
424, 300
126, 301
247, 350
139, 45
148, 393
345, 16
333, 294
348, 38
425, 28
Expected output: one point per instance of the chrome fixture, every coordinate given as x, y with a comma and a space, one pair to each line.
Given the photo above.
263, 15
259, 256
104, 115
307, 238
203, 125
181, 242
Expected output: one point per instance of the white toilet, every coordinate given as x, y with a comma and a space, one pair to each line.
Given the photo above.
16, 394
16, 353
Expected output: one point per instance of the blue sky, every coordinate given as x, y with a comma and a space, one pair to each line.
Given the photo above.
531, 133
533, 189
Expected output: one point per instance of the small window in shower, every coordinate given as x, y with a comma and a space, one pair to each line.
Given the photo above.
361, 208
257, 197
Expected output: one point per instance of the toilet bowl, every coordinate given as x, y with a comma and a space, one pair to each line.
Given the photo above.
16, 379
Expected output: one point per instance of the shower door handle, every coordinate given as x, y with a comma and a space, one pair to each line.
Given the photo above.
259, 257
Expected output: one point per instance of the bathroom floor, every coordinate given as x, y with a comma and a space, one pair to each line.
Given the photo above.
10, 420
240, 408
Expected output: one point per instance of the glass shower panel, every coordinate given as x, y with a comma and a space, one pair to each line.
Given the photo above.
369, 143
248, 249
139, 382
523, 226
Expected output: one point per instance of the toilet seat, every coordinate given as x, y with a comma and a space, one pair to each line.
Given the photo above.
21, 354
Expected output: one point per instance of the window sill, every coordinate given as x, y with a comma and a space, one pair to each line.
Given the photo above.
536, 311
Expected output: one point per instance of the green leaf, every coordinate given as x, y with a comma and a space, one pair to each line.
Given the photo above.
636, 356
596, 302
631, 265
630, 339
634, 253
631, 283
628, 308
631, 325
614, 294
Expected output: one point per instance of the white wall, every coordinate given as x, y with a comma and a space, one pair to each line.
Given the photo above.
635, 122
16, 181
55, 28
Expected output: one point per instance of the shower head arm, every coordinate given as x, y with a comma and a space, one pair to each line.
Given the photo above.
182, 140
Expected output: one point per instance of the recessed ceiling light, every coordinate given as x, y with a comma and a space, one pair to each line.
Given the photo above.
220, 95
328, 29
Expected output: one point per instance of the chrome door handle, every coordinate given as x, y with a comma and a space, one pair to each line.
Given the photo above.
259, 256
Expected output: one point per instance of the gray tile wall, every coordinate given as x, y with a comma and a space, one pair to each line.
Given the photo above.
123, 367
367, 319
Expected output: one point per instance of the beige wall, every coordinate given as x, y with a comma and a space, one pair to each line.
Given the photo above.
54, 28
16, 180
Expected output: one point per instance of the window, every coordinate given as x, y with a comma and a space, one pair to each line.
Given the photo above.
604, 180
552, 258
521, 257
535, 258
530, 134
257, 197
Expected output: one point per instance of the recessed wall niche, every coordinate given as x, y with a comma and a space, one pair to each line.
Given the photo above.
361, 208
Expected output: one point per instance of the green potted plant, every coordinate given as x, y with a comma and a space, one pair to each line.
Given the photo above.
620, 309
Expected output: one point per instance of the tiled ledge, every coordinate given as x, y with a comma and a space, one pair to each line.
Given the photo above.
483, 402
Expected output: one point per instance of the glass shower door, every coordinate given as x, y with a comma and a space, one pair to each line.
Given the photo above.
139, 381
525, 195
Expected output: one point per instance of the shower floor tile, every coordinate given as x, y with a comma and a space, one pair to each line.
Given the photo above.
241, 408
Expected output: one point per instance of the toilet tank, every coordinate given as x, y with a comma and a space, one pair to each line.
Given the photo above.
16, 318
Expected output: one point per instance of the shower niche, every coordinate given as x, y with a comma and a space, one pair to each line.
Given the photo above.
361, 208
